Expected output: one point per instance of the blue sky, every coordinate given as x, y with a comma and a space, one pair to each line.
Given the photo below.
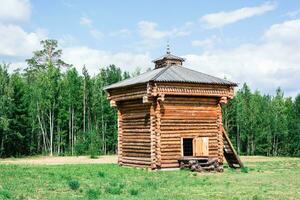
257, 42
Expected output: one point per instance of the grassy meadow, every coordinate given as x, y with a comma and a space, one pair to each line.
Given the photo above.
263, 178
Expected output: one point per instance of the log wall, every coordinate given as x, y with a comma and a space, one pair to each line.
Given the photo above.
134, 133
188, 117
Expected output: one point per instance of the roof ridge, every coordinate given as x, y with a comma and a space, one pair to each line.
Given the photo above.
208, 75
160, 73
127, 79
172, 73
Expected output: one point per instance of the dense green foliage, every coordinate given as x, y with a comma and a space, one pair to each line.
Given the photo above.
53, 109
265, 178
50, 108
263, 124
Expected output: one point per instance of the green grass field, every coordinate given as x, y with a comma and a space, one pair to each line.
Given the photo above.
264, 178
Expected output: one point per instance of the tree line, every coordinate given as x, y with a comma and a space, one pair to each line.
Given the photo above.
263, 124
51, 108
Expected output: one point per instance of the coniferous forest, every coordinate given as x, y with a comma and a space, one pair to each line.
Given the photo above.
51, 108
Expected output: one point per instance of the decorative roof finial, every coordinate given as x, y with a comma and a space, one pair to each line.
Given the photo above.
168, 48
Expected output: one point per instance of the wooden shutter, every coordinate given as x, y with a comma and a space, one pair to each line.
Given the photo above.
200, 146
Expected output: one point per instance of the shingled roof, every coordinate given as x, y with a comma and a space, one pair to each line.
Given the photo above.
169, 56
172, 73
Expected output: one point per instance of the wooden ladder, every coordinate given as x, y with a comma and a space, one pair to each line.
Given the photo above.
230, 154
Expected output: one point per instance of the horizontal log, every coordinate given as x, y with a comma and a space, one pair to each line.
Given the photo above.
136, 114
174, 142
189, 121
170, 146
185, 107
134, 137
190, 128
171, 150
136, 146
132, 121
124, 143
169, 165
186, 118
188, 99
165, 123
135, 140
135, 123
129, 150
188, 110
137, 131
137, 158
135, 165
142, 155
133, 104
198, 132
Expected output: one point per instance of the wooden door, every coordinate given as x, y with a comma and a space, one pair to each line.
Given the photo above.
200, 146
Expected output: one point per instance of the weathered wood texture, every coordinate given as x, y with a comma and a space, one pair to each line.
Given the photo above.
154, 117
134, 133
147, 91
230, 154
194, 89
128, 93
188, 117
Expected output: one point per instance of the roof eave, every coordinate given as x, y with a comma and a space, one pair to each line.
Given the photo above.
195, 82
107, 88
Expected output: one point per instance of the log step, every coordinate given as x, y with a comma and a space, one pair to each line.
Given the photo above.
230, 155
201, 164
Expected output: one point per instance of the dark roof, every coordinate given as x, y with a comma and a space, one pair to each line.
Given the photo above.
169, 56
172, 73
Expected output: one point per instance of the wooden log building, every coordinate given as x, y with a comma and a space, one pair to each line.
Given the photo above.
171, 113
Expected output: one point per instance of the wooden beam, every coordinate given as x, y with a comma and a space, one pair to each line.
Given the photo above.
158, 134
152, 135
220, 135
161, 97
120, 134
113, 103
223, 100
145, 99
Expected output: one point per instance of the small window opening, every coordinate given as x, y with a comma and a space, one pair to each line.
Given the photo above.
187, 146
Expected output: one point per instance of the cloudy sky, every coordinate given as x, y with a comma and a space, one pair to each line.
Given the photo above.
257, 42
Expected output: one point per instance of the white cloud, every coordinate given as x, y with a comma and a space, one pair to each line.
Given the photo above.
15, 10
293, 13
265, 66
96, 34
148, 30
285, 32
67, 40
203, 43
17, 65
93, 59
85, 21
220, 19
206, 43
17, 42
122, 32
184, 30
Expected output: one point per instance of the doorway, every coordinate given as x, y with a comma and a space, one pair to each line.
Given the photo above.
197, 146
187, 146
